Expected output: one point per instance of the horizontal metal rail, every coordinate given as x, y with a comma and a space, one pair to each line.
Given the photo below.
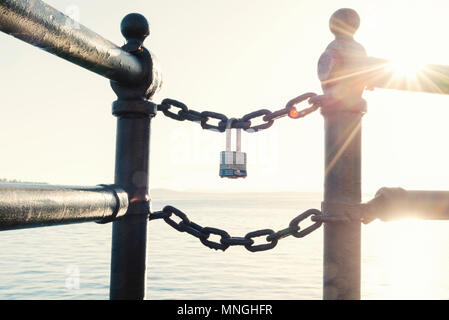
381, 73
30, 205
397, 203
40, 25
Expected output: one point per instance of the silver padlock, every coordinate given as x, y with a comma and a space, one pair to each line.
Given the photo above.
232, 163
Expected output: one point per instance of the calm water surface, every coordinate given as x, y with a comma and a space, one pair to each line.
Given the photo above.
400, 260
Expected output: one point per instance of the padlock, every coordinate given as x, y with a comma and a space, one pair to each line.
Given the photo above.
232, 163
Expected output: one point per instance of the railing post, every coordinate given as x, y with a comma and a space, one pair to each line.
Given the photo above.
342, 109
134, 113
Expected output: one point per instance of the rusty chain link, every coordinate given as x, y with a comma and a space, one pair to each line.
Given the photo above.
203, 233
245, 122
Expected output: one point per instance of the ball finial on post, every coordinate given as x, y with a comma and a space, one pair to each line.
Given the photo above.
342, 66
134, 26
344, 22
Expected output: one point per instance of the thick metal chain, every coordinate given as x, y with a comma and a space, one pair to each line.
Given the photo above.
245, 122
203, 233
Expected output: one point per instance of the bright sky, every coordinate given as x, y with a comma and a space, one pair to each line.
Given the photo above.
231, 57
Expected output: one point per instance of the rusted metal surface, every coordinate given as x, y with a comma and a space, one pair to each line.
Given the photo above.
30, 205
342, 109
40, 25
396, 203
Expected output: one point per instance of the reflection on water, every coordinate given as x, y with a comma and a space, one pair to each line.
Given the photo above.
407, 260
400, 260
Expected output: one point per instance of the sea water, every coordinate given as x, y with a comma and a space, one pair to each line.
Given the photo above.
400, 260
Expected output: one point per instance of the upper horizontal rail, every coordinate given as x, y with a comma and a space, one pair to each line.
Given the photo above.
33, 205
431, 78
40, 25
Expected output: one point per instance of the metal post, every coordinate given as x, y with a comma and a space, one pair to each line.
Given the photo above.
342, 108
133, 112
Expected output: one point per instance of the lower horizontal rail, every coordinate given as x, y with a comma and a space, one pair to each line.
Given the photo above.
33, 205
397, 203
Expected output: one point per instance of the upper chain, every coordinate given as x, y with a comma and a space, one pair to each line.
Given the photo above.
245, 122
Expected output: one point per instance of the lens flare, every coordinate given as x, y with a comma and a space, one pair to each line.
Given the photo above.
405, 68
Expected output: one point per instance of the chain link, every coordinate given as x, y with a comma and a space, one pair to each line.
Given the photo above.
203, 233
247, 121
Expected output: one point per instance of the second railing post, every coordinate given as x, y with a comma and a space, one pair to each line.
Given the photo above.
342, 108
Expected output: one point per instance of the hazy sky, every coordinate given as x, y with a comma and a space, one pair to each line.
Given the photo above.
231, 57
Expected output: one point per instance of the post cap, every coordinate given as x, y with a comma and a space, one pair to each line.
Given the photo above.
134, 26
344, 22
342, 66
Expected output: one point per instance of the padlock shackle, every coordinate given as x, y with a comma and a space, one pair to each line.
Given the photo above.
238, 140
228, 135
229, 123
228, 139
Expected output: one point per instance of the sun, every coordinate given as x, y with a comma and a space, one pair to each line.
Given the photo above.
405, 73
404, 68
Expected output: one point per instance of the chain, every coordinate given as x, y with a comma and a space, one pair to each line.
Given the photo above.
203, 233
245, 122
